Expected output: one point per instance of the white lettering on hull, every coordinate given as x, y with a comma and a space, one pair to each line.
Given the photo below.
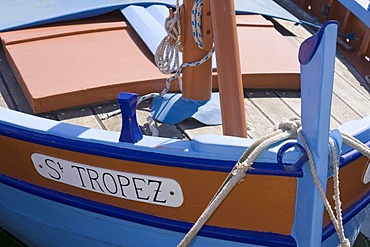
130, 186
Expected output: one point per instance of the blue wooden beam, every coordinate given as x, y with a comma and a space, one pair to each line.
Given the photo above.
317, 58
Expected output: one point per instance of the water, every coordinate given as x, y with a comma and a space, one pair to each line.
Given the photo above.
8, 241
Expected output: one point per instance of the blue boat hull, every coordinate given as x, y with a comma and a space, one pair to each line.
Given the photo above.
38, 221
42, 222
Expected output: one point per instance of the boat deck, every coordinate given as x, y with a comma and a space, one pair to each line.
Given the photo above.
264, 109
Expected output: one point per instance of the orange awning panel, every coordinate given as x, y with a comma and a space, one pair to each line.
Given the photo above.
90, 61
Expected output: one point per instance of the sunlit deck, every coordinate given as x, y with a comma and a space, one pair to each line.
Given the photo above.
264, 108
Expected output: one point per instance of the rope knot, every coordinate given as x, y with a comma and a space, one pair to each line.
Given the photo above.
292, 125
345, 243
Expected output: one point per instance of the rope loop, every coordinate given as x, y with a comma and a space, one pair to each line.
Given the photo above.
291, 125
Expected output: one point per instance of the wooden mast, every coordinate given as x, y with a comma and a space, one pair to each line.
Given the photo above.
228, 68
197, 81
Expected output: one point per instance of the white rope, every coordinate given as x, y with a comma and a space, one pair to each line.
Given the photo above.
337, 220
237, 174
167, 55
356, 144
196, 22
285, 130
165, 65
177, 76
152, 126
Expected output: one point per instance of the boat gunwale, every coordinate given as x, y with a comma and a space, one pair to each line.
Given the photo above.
139, 155
146, 154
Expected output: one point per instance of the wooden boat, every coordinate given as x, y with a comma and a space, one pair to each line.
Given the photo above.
68, 185
353, 17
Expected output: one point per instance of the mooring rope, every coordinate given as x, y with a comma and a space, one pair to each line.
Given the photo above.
238, 172
285, 130
336, 220
356, 144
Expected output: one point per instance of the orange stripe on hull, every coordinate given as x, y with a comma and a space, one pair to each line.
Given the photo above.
260, 203
352, 189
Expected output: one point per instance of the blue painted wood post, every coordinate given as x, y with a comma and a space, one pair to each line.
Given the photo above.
317, 58
130, 131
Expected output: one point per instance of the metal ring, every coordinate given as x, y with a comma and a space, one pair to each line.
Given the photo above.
291, 167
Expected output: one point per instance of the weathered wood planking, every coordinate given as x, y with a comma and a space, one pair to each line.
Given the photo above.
80, 116
274, 109
257, 123
113, 123
293, 100
351, 100
346, 70
357, 101
192, 128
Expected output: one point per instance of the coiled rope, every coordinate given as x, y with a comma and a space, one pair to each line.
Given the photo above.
196, 23
167, 54
165, 50
285, 130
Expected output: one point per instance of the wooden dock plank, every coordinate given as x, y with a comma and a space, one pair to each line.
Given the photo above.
293, 100
348, 84
358, 102
79, 116
349, 74
113, 123
2, 102
271, 106
192, 128
257, 122
342, 111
